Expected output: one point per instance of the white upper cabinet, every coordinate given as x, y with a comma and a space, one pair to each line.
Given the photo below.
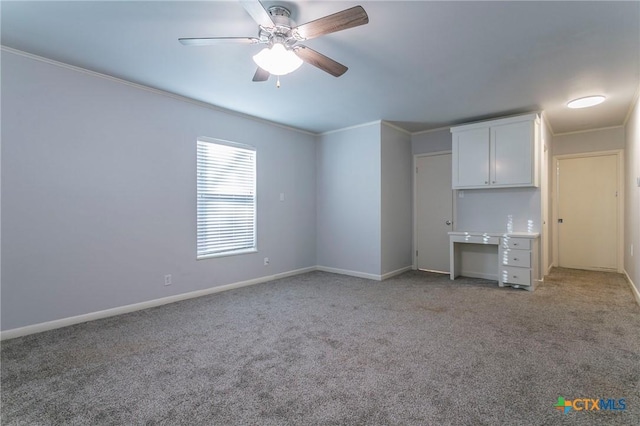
495, 154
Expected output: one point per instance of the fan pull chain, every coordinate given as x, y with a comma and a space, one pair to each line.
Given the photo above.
278, 82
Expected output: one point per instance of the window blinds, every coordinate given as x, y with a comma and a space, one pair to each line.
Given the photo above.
226, 182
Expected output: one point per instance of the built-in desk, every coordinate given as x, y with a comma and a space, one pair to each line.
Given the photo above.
516, 256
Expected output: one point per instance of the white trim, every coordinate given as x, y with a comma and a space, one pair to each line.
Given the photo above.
545, 119
350, 273
531, 116
634, 289
576, 132
551, 266
153, 90
396, 272
393, 126
634, 101
370, 123
437, 129
64, 322
619, 153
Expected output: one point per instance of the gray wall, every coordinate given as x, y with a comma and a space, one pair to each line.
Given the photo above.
632, 197
348, 199
98, 187
431, 141
596, 140
397, 199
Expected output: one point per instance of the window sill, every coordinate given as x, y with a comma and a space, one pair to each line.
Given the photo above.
227, 253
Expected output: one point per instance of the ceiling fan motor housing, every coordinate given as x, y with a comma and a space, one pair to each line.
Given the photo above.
281, 32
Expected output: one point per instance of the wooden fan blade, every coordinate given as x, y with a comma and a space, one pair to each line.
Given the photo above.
348, 18
261, 75
207, 41
258, 13
316, 59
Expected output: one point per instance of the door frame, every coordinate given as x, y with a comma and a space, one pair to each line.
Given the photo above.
620, 188
454, 196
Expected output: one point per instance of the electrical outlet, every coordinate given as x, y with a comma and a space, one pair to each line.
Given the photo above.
266, 261
167, 279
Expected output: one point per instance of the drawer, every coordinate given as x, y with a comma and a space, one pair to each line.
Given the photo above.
475, 239
513, 275
521, 258
516, 243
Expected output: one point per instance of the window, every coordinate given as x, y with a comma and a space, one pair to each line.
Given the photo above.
226, 193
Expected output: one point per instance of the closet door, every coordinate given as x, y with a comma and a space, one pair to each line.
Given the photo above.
434, 212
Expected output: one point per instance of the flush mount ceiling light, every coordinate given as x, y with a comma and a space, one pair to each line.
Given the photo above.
585, 102
277, 60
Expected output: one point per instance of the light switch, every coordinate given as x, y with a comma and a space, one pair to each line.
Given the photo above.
282, 196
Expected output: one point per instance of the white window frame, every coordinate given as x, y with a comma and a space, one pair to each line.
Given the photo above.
245, 244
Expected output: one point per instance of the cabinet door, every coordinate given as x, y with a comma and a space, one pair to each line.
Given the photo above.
471, 158
512, 154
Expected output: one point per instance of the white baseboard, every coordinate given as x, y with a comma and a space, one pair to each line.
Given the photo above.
350, 273
634, 289
549, 269
91, 316
64, 322
396, 272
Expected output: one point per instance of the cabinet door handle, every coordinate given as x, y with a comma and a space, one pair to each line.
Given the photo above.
515, 276
515, 258
493, 181
486, 182
515, 244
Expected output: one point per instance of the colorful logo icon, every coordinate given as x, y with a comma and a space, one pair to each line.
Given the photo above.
563, 405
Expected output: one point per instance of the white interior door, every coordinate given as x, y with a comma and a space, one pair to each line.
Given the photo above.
434, 211
588, 212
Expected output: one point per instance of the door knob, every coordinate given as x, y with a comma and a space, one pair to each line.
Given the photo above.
448, 222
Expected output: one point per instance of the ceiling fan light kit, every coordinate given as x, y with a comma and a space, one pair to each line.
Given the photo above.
283, 55
277, 60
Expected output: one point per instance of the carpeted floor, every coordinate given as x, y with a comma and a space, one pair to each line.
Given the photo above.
327, 349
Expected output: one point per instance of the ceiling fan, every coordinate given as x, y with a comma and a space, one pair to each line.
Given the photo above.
283, 54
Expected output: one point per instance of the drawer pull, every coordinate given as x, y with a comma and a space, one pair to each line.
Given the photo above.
515, 258
515, 276
515, 244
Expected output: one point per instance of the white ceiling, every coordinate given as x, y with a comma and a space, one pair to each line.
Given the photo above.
421, 65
